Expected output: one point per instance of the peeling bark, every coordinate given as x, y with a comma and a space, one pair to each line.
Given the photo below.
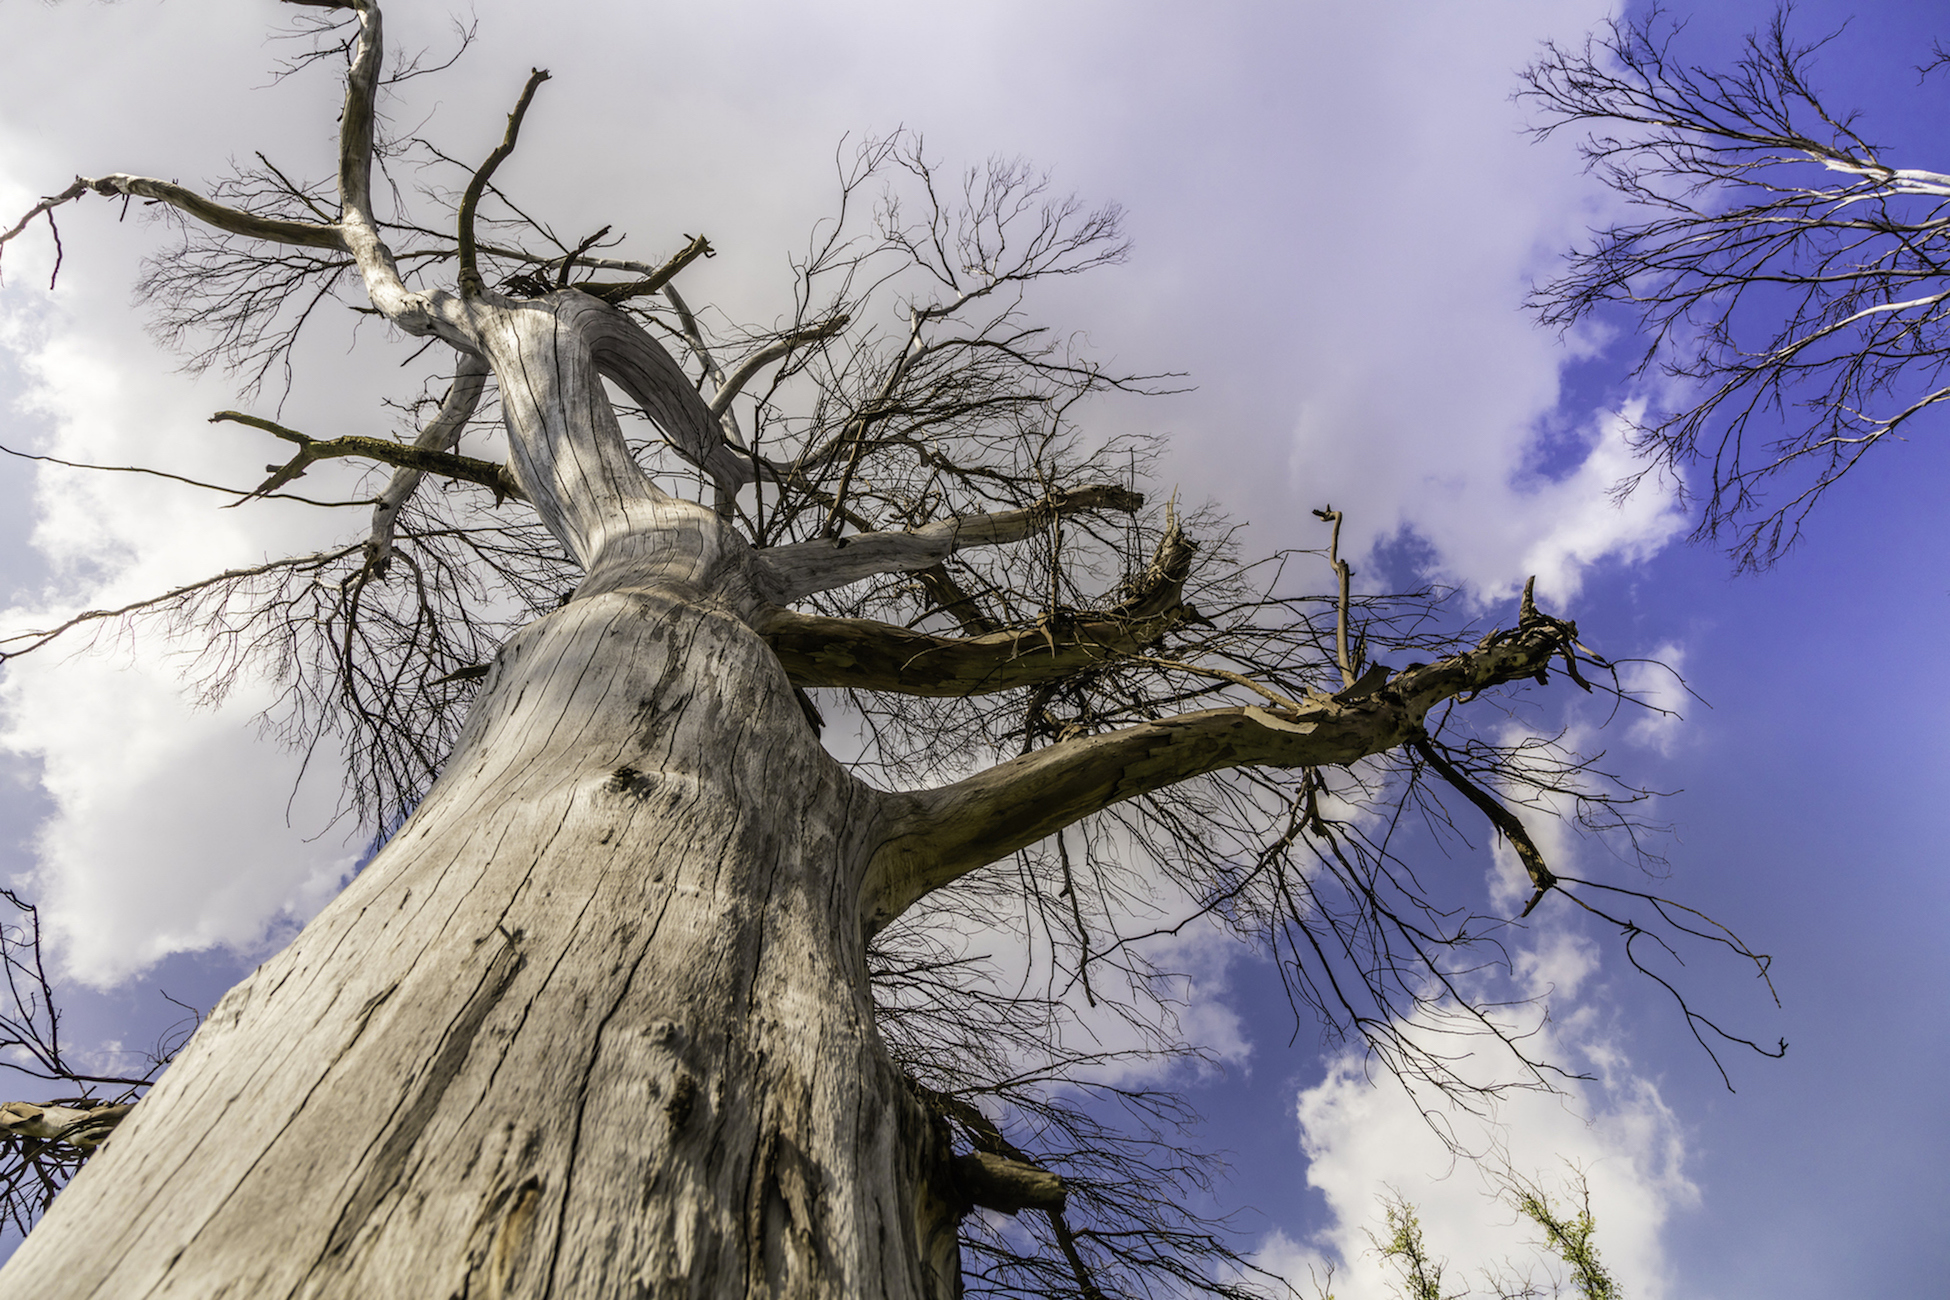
595, 1022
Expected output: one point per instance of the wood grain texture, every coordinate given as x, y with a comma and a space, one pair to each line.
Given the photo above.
593, 1024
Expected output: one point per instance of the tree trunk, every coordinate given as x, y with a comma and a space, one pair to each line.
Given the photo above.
595, 1022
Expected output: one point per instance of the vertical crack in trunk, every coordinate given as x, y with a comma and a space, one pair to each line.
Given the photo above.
383, 1174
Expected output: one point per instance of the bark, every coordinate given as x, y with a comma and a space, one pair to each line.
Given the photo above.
596, 1022
937, 836
866, 655
592, 1025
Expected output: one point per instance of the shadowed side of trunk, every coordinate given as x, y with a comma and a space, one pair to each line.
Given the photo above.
595, 1023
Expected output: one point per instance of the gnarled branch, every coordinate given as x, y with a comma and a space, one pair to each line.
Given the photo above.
863, 654
935, 836
803, 568
496, 478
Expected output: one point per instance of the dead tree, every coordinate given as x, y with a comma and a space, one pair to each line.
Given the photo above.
1789, 278
647, 992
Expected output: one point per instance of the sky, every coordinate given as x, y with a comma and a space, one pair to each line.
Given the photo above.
1335, 214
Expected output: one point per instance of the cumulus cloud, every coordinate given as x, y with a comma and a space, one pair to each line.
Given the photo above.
1363, 1144
1370, 1138
174, 831
173, 828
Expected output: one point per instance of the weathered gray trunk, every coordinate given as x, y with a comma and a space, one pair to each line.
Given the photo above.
596, 1022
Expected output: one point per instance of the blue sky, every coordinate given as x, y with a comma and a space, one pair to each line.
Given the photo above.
1335, 217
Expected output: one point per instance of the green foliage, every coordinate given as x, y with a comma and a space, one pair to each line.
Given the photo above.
1405, 1249
1566, 1233
1569, 1237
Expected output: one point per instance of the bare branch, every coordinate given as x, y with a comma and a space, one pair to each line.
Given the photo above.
178, 478
939, 835
1500, 817
34, 640
440, 434
653, 280
1010, 1186
803, 568
1789, 278
412, 312
625, 354
861, 654
46, 208
235, 221
470, 275
1343, 576
44, 1144
496, 478
741, 374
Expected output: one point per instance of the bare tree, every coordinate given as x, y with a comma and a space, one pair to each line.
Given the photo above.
1789, 281
648, 993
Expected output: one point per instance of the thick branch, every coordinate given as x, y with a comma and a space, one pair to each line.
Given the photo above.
936, 836
960, 605
356, 125
867, 655
803, 568
85, 1127
441, 433
487, 473
470, 275
1013, 1169
625, 354
998, 1183
1343, 575
235, 221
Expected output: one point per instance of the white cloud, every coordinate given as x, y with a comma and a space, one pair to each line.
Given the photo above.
1362, 1143
171, 830
1366, 1136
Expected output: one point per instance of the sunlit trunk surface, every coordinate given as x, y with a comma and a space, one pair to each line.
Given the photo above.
595, 1022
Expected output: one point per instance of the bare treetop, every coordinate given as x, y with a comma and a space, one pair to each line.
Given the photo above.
1788, 279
